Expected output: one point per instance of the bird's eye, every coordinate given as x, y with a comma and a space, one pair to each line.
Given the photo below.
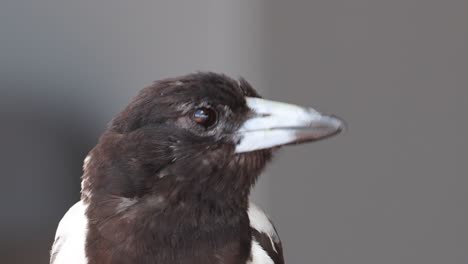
205, 116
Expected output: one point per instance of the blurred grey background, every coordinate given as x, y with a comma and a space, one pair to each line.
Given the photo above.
393, 189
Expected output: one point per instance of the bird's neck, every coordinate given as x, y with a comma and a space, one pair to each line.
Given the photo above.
149, 229
118, 169
114, 189
111, 186
140, 210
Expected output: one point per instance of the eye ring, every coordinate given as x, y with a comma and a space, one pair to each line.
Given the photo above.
205, 116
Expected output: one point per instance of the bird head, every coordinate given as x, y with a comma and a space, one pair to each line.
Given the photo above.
201, 137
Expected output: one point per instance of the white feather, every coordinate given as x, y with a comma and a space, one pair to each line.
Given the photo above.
260, 222
70, 238
259, 256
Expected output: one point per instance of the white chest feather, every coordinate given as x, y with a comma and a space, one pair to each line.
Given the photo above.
259, 255
260, 222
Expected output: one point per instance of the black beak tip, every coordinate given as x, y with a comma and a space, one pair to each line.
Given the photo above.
342, 126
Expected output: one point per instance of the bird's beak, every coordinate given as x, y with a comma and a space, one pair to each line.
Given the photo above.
276, 124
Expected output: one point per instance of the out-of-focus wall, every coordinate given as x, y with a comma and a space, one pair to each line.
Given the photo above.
67, 67
393, 189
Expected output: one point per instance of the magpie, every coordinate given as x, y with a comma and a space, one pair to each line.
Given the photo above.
169, 180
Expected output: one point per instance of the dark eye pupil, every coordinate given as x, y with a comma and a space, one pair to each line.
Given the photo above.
204, 116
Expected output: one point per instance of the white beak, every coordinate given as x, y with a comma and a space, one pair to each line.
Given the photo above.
275, 124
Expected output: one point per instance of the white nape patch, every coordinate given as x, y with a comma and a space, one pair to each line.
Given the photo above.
260, 222
70, 238
259, 255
